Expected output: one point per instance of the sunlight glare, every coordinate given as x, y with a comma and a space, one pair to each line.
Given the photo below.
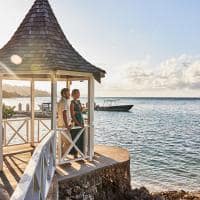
15, 59
7, 69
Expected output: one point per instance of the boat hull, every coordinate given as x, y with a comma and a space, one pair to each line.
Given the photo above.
121, 108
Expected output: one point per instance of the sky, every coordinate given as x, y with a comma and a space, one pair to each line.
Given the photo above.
148, 48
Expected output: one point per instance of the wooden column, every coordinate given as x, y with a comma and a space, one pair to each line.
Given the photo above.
32, 112
54, 102
91, 117
68, 84
1, 126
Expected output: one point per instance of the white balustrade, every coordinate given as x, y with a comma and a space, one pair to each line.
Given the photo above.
43, 128
36, 180
17, 131
64, 135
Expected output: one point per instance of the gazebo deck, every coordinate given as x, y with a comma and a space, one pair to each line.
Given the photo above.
15, 164
104, 156
15, 160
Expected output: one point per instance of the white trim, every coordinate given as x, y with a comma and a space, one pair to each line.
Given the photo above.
49, 72
75, 78
91, 117
73, 73
83, 78
1, 126
54, 102
32, 111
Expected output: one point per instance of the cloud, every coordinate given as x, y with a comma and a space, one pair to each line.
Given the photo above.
178, 76
176, 73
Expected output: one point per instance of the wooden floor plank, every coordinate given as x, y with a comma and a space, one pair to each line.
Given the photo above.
16, 159
17, 149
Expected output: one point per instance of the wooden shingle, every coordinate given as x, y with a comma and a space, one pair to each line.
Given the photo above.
40, 41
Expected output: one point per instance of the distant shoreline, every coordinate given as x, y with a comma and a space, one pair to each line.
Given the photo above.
160, 98
14, 97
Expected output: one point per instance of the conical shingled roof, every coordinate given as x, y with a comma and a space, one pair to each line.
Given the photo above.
42, 45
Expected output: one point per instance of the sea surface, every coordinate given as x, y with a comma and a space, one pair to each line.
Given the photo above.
161, 134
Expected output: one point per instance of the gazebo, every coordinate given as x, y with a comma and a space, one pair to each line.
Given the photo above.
39, 51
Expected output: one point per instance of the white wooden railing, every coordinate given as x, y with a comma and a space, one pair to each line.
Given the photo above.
43, 128
63, 137
17, 131
36, 180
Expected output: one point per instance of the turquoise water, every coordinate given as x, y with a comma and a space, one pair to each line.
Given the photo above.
162, 136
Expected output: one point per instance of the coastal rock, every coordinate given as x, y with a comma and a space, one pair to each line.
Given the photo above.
143, 194
177, 195
137, 194
109, 183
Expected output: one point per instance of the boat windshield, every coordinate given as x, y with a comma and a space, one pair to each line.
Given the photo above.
111, 102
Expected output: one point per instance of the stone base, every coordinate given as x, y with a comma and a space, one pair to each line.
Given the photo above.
107, 179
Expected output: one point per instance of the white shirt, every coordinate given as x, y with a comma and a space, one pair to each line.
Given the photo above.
63, 104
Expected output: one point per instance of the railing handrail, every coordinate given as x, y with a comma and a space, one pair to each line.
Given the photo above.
74, 127
26, 181
16, 119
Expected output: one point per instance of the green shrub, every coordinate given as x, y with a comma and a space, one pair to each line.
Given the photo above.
8, 111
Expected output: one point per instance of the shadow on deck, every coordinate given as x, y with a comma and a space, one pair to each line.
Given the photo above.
15, 160
104, 156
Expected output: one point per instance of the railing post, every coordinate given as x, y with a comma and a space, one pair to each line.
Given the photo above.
1, 126
32, 112
4, 132
91, 116
27, 130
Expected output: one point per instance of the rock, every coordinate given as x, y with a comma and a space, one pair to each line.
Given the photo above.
139, 194
177, 195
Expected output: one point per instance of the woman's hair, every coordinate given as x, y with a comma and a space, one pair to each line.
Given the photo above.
63, 91
74, 91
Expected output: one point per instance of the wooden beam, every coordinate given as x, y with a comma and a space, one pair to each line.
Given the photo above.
91, 116
78, 79
1, 126
73, 73
32, 112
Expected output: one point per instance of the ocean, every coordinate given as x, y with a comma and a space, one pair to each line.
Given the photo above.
161, 134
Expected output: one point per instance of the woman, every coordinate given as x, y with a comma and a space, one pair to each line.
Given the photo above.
77, 117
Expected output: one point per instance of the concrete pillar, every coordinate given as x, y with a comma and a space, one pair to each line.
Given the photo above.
20, 107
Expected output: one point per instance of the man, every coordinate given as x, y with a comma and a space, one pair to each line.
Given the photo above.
64, 116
